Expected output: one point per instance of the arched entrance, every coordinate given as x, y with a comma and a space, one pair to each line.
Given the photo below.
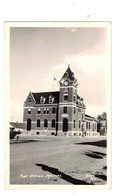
28, 124
65, 125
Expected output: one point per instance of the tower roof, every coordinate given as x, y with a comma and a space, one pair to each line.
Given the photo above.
69, 74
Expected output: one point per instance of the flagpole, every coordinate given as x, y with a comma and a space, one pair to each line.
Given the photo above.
53, 82
54, 79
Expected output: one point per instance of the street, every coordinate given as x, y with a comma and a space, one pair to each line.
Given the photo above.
59, 160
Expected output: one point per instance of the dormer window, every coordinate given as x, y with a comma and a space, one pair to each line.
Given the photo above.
51, 99
42, 100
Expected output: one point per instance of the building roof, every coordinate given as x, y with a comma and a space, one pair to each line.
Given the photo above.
17, 125
90, 117
46, 95
69, 74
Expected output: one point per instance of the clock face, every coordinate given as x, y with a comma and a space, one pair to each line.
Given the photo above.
66, 83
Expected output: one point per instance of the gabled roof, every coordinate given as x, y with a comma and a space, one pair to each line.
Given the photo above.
69, 74
46, 95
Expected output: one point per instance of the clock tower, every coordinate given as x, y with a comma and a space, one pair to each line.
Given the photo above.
67, 100
68, 87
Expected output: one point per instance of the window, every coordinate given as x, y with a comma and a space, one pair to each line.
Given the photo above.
53, 110
64, 109
42, 100
74, 123
66, 97
79, 110
39, 111
38, 122
93, 127
89, 125
45, 123
82, 116
79, 124
46, 111
53, 123
86, 125
29, 99
51, 99
29, 111
74, 110
74, 98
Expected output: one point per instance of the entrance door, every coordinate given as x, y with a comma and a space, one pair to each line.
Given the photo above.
28, 124
65, 125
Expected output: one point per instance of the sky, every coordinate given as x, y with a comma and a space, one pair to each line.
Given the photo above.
37, 54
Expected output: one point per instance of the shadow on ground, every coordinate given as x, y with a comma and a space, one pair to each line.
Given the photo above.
93, 155
101, 143
64, 176
103, 177
97, 155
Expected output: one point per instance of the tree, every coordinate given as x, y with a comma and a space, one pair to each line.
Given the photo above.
104, 116
101, 118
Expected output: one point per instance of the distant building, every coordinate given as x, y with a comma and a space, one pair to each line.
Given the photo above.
58, 112
16, 126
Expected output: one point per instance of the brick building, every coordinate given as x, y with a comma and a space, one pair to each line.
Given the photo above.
58, 112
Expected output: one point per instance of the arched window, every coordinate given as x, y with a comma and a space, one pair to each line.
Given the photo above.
86, 125
53, 123
64, 109
45, 123
74, 123
79, 124
29, 111
28, 124
39, 111
42, 100
51, 99
38, 122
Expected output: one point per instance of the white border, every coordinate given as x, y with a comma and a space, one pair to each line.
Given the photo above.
69, 11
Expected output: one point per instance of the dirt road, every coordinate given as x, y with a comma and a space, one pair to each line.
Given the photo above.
59, 160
